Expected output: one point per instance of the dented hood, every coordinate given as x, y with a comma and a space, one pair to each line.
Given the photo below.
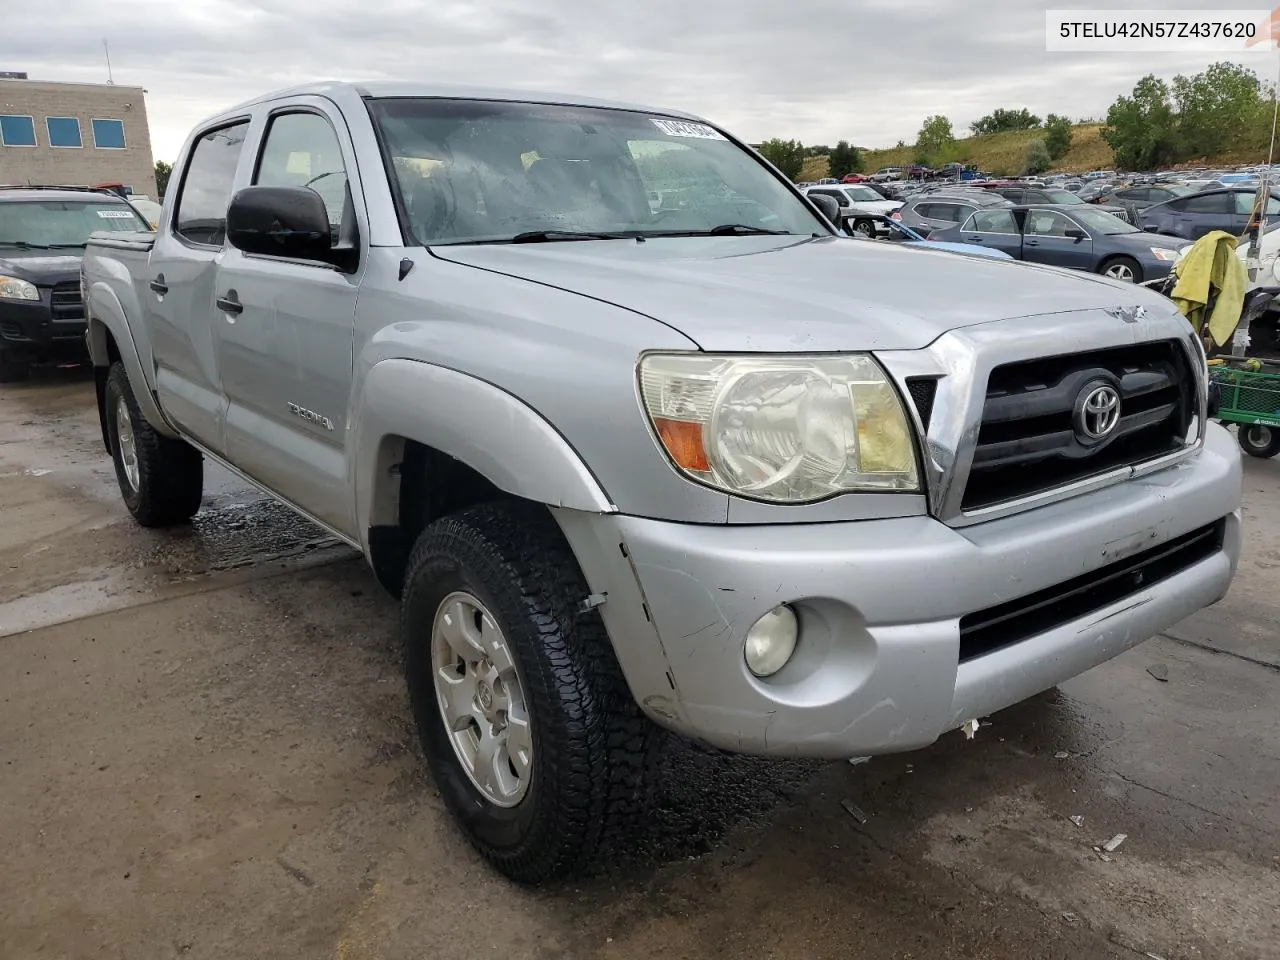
783, 295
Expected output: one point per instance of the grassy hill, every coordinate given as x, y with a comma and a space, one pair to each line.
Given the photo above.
1002, 153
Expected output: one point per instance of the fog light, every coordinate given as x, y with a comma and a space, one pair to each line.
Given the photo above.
771, 641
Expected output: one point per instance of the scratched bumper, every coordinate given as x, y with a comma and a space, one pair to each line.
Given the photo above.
877, 667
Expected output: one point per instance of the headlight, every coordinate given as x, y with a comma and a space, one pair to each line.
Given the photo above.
11, 288
1160, 253
782, 429
1182, 252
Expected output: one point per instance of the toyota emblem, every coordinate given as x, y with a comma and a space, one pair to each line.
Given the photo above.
1097, 412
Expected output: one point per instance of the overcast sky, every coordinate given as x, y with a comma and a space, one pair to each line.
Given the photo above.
818, 70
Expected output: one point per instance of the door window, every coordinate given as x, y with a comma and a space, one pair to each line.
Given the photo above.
1209, 203
302, 150
1244, 204
207, 184
1046, 223
993, 221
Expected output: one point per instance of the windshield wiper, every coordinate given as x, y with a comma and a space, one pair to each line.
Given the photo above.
724, 230
23, 245
555, 236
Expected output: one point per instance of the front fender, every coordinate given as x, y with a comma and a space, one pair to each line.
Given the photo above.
492, 432
106, 314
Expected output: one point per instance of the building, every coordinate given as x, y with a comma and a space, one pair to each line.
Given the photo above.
74, 134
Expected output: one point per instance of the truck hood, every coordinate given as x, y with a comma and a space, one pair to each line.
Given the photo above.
777, 294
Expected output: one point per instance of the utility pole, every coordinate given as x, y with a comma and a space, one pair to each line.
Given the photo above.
107, 50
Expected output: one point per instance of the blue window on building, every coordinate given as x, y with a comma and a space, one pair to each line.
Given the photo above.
63, 131
108, 134
16, 131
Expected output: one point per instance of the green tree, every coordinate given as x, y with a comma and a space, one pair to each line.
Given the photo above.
1036, 159
1057, 135
935, 140
1214, 108
998, 121
786, 155
163, 172
845, 159
1141, 129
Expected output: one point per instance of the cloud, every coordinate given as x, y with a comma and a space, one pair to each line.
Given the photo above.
818, 70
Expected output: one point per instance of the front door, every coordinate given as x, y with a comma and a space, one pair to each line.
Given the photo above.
1045, 240
285, 329
180, 287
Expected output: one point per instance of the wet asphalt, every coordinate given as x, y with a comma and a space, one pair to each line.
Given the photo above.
205, 752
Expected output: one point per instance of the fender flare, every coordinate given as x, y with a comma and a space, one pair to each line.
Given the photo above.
104, 313
492, 432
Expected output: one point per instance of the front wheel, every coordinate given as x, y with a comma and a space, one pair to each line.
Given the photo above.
161, 478
1258, 440
529, 729
1122, 268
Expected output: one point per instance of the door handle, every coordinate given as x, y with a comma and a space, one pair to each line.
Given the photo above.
159, 286
973, 239
229, 304
1033, 243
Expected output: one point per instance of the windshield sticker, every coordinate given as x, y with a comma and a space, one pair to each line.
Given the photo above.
115, 214
685, 128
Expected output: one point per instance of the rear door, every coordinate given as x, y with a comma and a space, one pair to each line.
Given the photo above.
181, 280
996, 229
1045, 240
285, 326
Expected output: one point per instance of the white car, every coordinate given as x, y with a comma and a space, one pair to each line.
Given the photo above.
858, 205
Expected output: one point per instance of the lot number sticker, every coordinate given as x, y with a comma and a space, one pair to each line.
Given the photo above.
684, 128
115, 214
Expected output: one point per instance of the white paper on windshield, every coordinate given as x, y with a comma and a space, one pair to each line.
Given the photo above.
686, 128
115, 214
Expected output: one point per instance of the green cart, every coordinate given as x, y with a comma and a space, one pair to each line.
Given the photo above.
1249, 395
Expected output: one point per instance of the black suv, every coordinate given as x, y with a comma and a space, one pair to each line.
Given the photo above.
42, 235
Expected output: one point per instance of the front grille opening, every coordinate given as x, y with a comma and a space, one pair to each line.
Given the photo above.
923, 390
1027, 441
65, 301
1013, 622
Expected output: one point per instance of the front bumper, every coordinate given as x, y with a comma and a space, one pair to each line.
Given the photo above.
878, 666
32, 325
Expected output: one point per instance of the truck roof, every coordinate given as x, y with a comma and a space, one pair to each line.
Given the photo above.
423, 88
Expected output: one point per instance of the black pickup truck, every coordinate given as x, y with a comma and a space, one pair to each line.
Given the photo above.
43, 231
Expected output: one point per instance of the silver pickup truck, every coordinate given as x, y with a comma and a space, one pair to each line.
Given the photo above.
712, 468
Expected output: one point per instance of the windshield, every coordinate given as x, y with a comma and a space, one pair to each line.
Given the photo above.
62, 223
472, 171
1099, 221
1179, 189
1060, 196
862, 194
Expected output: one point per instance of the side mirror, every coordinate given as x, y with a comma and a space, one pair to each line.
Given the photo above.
280, 222
1074, 234
827, 206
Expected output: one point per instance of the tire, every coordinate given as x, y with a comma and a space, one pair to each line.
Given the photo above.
1122, 268
161, 478
865, 228
585, 787
13, 369
1258, 441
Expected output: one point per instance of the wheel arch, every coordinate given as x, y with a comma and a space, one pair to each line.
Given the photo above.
430, 440
110, 340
